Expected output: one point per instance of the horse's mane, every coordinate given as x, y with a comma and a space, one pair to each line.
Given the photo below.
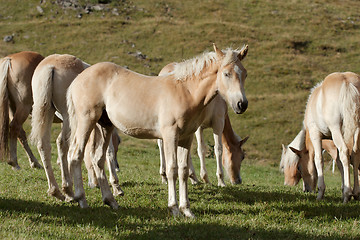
194, 66
297, 143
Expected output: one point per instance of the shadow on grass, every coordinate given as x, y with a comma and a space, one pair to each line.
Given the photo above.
328, 209
156, 223
103, 217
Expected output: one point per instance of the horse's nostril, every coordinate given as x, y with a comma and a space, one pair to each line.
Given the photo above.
243, 106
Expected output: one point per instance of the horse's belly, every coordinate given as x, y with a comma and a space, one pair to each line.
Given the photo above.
137, 127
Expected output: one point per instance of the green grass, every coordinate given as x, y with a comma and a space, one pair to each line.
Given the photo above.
292, 46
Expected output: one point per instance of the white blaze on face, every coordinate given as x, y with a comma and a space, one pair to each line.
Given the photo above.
239, 72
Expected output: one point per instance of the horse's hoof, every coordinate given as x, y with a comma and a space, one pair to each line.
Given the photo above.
175, 211
16, 168
54, 192
221, 183
69, 199
118, 192
187, 212
163, 179
68, 190
194, 180
112, 203
36, 165
205, 178
83, 203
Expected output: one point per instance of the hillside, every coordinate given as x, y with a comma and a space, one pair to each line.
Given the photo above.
292, 46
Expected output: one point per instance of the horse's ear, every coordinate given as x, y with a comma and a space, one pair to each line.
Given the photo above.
297, 152
283, 147
243, 52
218, 52
243, 141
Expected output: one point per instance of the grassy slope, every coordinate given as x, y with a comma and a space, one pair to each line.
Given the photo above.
293, 45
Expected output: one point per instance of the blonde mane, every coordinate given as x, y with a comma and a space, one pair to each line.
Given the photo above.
194, 66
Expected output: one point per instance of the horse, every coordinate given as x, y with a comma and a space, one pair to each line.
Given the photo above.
295, 165
228, 151
151, 107
16, 71
333, 111
50, 82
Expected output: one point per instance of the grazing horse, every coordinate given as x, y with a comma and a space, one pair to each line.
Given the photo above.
50, 82
333, 111
16, 71
295, 165
160, 107
228, 151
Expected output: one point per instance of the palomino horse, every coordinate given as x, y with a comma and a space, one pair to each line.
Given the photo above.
16, 71
333, 111
161, 107
296, 166
50, 82
228, 149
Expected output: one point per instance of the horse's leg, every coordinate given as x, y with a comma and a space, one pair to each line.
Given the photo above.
192, 175
201, 149
183, 156
218, 155
75, 156
341, 169
319, 164
99, 141
63, 148
34, 163
355, 162
18, 115
162, 161
111, 162
170, 149
92, 179
44, 148
344, 158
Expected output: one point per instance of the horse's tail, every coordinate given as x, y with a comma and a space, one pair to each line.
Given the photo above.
350, 109
5, 66
42, 85
71, 113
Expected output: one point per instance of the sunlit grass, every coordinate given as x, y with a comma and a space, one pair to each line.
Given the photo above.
292, 46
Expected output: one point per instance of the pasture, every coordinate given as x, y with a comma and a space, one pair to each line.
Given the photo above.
292, 46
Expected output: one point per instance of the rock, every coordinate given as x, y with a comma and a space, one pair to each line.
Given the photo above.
8, 38
40, 10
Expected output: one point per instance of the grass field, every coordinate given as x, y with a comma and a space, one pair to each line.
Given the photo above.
292, 46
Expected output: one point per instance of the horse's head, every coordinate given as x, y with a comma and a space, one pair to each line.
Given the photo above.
306, 170
289, 165
232, 161
231, 77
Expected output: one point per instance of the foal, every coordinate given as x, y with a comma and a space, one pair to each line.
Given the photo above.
50, 82
333, 111
16, 71
162, 107
228, 151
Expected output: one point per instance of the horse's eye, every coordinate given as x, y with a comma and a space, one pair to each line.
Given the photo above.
226, 74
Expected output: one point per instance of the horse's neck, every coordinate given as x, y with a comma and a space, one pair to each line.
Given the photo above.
229, 138
203, 87
299, 140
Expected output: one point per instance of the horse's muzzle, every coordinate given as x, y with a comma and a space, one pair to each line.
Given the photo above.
242, 106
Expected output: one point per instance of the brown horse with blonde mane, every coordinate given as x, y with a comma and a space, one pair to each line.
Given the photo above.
16, 71
161, 107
